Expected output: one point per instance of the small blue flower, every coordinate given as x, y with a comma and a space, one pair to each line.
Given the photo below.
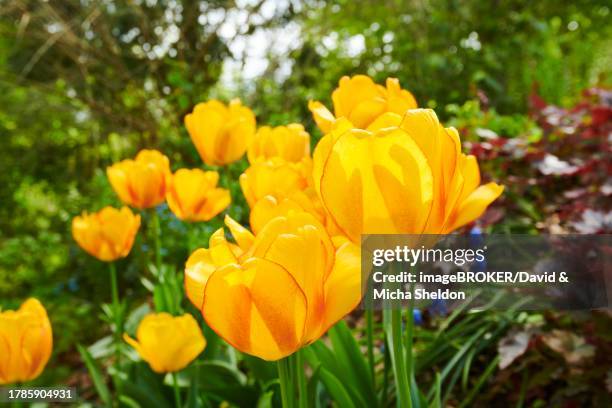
438, 307
418, 317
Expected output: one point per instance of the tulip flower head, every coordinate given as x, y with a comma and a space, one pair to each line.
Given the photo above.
403, 175
193, 195
141, 183
272, 294
108, 234
360, 100
275, 177
290, 142
26, 342
270, 207
221, 133
166, 342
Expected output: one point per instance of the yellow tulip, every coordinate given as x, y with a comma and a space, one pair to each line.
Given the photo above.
166, 342
272, 294
359, 100
275, 177
290, 142
108, 234
141, 182
270, 207
192, 195
401, 175
26, 341
220, 133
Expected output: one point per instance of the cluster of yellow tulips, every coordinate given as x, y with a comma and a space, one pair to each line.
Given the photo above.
382, 166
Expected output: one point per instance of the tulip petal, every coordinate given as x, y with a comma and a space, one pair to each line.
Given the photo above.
215, 202
351, 91
424, 128
471, 176
322, 116
26, 342
289, 237
220, 250
189, 342
205, 126
257, 307
343, 286
398, 100
386, 120
119, 182
365, 112
376, 184
4, 351
475, 204
198, 269
166, 342
243, 236
37, 339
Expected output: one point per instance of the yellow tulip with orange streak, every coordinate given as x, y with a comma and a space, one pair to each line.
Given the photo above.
402, 174
141, 183
360, 100
166, 342
275, 177
26, 342
108, 234
271, 294
193, 195
291, 143
221, 133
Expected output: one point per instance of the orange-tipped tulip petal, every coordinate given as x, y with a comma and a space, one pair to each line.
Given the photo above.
193, 195
221, 133
291, 143
257, 307
141, 183
108, 234
26, 342
402, 175
271, 295
166, 342
360, 100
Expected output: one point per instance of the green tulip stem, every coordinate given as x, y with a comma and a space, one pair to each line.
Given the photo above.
156, 239
177, 391
192, 237
301, 379
286, 382
410, 335
398, 361
17, 403
117, 315
369, 314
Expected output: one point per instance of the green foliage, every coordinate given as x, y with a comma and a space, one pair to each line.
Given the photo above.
85, 84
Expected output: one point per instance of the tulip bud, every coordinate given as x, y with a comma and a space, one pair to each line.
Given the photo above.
193, 195
220, 133
26, 341
166, 342
108, 234
140, 183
